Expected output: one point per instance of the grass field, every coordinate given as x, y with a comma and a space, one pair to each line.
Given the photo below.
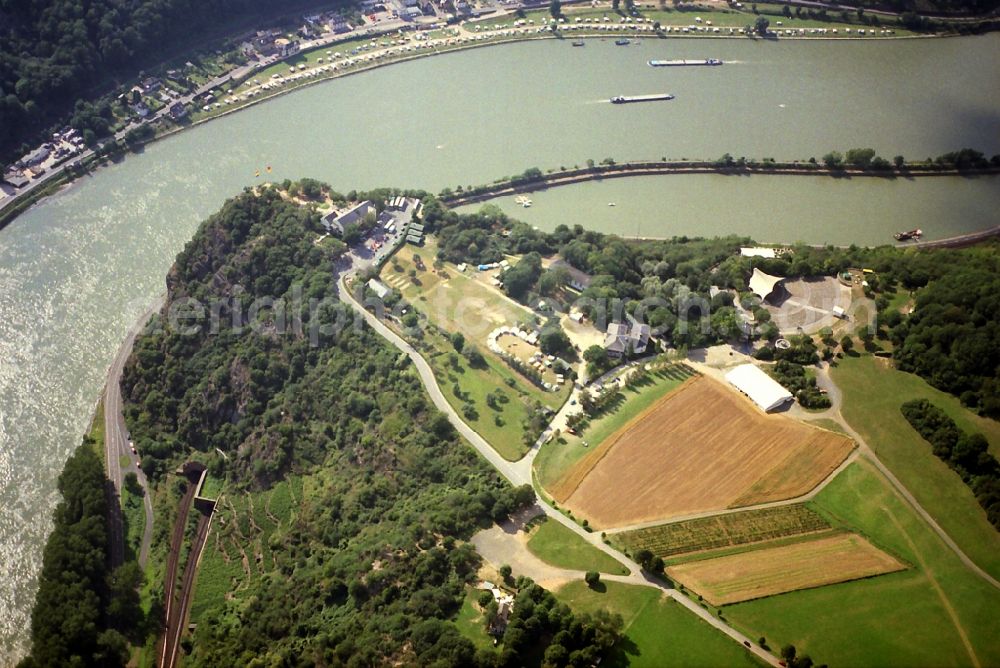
134, 517
460, 302
873, 393
471, 622
451, 301
658, 632
556, 458
556, 545
709, 533
896, 619
776, 570
701, 448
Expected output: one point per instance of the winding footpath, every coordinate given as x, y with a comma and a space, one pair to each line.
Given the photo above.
519, 473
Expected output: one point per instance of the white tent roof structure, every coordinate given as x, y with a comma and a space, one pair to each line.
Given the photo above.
757, 251
762, 284
761, 388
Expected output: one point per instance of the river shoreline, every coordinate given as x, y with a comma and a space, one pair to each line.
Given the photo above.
21, 203
650, 168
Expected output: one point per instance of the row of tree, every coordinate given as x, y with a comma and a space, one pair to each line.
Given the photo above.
966, 453
84, 613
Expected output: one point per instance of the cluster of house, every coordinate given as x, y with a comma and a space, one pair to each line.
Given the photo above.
325, 22
505, 605
624, 338
63, 145
398, 216
270, 42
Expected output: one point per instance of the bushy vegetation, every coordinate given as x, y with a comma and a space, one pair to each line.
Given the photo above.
794, 379
967, 454
82, 610
951, 336
540, 624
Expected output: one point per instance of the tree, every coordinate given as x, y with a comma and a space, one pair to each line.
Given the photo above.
555, 9
833, 160
592, 578
597, 360
554, 341
458, 341
846, 343
505, 571
761, 25
860, 157
899, 161
520, 278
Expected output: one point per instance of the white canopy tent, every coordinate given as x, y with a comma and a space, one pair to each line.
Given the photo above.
763, 390
762, 284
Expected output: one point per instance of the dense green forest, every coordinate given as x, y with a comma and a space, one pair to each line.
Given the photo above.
374, 567
55, 55
966, 453
83, 612
952, 337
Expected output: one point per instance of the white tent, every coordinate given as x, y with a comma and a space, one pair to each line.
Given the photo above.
761, 388
757, 251
762, 284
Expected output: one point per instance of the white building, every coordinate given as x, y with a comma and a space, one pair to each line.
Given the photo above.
379, 288
763, 390
757, 251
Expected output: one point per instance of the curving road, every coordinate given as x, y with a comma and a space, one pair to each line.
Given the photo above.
116, 447
519, 473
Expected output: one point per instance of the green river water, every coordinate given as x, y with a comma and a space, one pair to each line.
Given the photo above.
76, 270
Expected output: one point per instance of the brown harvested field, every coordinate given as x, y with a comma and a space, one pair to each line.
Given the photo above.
776, 570
702, 447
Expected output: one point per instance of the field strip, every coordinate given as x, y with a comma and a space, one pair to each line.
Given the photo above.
776, 570
937, 587
808, 496
575, 476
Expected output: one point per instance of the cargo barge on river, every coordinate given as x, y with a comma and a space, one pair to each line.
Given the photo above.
656, 97
683, 63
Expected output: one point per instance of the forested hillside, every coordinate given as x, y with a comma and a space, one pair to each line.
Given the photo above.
54, 52
374, 566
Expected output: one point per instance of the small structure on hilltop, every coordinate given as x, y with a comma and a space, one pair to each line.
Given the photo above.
763, 390
336, 221
764, 285
379, 288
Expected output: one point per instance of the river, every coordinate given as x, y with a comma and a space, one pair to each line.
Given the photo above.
76, 270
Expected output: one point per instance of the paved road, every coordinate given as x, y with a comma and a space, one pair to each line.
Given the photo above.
519, 473
116, 446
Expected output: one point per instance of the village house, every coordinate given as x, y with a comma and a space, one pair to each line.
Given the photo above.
335, 222
578, 280
623, 338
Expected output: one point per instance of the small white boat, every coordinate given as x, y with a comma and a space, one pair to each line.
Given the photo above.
611, 204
